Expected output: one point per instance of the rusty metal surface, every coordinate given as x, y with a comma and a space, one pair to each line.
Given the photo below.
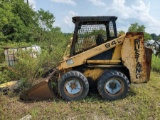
93, 18
148, 61
134, 57
93, 73
41, 90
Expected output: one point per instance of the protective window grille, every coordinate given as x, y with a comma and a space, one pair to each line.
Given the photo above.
87, 36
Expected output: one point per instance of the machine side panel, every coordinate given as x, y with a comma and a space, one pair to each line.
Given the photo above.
134, 57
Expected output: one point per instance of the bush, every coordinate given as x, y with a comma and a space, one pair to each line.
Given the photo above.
31, 69
4, 76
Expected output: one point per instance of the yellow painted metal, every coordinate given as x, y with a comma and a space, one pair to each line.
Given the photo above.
81, 58
117, 52
104, 62
93, 73
8, 84
129, 48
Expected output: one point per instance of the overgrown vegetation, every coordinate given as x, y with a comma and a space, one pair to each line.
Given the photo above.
21, 26
142, 103
139, 28
155, 63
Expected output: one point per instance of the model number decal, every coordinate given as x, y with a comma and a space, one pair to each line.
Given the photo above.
112, 43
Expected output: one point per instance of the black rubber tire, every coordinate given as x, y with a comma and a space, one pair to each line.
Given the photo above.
70, 76
108, 76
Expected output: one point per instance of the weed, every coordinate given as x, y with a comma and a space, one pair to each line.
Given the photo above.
34, 112
155, 63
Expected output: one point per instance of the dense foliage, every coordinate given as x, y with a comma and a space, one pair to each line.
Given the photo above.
139, 28
155, 37
16, 21
155, 63
21, 26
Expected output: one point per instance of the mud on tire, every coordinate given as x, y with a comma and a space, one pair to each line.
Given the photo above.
73, 85
113, 85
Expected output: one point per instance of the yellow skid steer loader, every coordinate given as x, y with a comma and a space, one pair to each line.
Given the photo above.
98, 58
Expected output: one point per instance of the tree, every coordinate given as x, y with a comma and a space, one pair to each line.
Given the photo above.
139, 28
147, 36
16, 21
45, 30
136, 28
45, 19
154, 36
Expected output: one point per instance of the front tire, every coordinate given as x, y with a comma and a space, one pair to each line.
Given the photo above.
73, 85
113, 85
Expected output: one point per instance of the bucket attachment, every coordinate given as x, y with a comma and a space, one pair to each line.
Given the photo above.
40, 91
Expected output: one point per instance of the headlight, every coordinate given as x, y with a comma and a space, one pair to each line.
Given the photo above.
69, 62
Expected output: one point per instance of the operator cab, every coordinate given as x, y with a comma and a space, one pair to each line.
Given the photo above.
92, 31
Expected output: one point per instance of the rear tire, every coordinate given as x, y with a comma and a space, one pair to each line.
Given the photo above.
113, 85
73, 85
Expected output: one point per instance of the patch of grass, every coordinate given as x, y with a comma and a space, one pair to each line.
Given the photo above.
34, 112
155, 63
142, 103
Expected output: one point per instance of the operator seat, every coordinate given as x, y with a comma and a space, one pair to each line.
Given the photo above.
99, 39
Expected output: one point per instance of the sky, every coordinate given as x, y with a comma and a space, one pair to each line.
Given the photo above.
143, 12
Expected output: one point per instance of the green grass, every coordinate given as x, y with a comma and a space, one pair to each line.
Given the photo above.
155, 63
142, 103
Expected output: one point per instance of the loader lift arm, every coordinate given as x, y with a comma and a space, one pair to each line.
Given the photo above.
83, 57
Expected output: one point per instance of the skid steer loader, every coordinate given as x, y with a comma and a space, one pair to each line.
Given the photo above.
98, 58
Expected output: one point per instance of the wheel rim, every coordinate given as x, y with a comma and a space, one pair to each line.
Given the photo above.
73, 87
113, 86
